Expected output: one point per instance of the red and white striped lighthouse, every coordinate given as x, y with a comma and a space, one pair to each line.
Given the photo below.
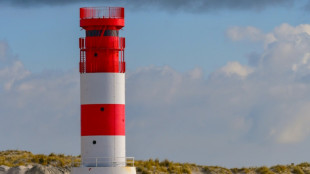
102, 69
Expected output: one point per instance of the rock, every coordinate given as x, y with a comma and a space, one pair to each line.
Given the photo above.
4, 169
39, 169
35, 169
18, 170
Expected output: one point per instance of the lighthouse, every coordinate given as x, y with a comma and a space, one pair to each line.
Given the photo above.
102, 85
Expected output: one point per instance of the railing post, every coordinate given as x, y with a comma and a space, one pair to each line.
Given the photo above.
109, 12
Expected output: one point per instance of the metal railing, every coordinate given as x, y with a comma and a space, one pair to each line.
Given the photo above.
102, 12
83, 58
105, 162
97, 43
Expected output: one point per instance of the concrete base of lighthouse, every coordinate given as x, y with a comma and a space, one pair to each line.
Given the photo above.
103, 170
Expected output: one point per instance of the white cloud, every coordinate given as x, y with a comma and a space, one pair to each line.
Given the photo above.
284, 66
235, 68
242, 33
12, 73
250, 33
297, 129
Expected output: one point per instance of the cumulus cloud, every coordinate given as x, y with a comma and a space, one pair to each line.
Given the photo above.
235, 68
284, 66
249, 33
171, 5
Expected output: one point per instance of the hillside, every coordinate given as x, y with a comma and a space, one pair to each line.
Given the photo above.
24, 162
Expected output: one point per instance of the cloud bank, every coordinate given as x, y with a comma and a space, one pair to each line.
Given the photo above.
238, 113
171, 5
37, 109
241, 114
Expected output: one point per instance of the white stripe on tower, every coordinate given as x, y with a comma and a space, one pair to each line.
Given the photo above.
102, 88
106, 148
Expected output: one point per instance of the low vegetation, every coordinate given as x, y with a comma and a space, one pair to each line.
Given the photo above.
13, 158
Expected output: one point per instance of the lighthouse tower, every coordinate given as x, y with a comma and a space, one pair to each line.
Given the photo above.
102, 78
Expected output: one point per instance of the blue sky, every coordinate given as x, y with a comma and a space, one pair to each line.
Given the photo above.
52, 31
220, 84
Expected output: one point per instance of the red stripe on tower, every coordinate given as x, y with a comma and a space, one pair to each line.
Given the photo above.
103, 119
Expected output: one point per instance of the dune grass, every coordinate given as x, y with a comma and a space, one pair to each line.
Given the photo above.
13, 158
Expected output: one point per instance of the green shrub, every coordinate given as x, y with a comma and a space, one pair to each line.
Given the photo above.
156, 161
279, 169
240, 170
13, 158
235, 170
166, 163
148, 166
297, 170
216, 169
263, 170
186, 170
52, 155
139, 169
304, 164
145, 172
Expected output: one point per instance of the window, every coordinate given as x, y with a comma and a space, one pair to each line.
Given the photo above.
93, 32
111, 33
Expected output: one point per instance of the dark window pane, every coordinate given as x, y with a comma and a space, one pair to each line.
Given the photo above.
111, 33
93, 33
